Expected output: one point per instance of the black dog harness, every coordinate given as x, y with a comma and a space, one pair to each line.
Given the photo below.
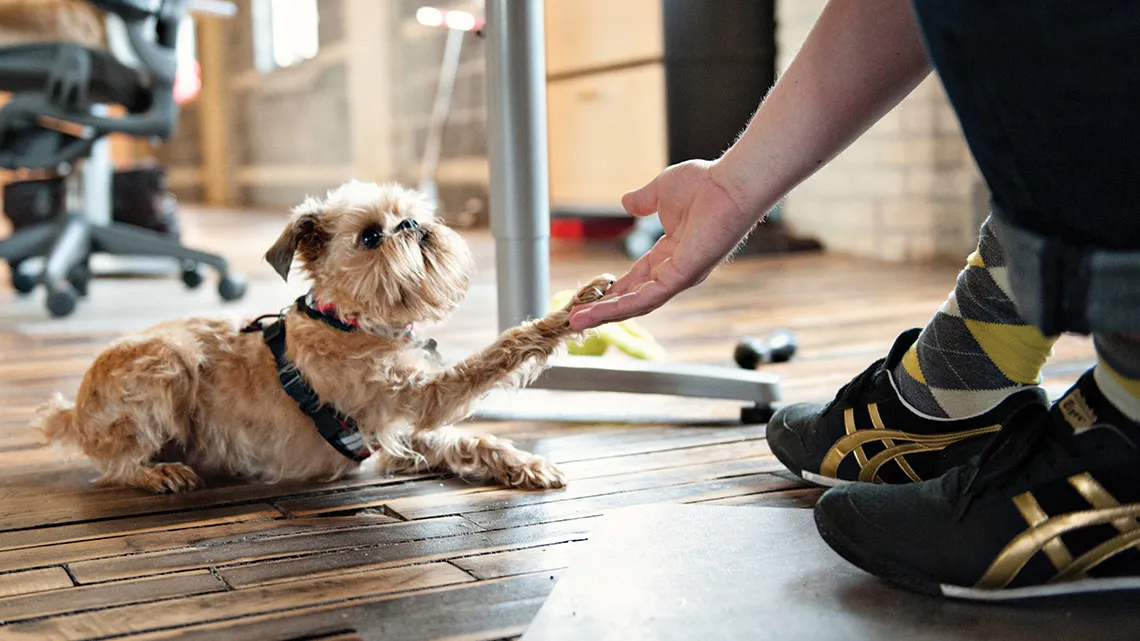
339, 430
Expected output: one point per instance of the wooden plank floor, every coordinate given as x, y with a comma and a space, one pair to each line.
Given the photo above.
420, 557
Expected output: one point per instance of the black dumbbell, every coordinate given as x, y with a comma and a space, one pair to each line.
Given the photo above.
780, 346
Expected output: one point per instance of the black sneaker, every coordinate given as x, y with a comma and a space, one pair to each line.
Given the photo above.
1052, 506
868, 433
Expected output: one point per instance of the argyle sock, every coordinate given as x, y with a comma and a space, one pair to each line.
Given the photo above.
1117, 372
977, 349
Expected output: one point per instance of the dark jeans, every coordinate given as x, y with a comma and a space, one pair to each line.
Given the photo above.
1048, 96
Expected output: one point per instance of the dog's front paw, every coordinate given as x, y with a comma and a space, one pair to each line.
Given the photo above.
592, 291
168, 477
535, 473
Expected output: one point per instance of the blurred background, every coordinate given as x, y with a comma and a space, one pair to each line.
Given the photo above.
298, 96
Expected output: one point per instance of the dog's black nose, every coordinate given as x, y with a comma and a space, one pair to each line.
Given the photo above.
407, 223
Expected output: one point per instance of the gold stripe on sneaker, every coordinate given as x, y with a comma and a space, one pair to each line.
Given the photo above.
896, 442
849, 426
870, 472
1055, 549
877, 422
1098, 555
1045, 531
1016, 554
1097, 496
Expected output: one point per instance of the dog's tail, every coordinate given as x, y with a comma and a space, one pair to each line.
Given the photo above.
55, 420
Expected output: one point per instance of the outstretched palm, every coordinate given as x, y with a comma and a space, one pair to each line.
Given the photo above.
702, 225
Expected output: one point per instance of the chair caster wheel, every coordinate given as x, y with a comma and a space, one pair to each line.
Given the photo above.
756, 414
192, 276
62, 302
752, 352
231, 287
22, 283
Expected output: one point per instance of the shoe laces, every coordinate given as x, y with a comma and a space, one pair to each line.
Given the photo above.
856, 389
1029, 446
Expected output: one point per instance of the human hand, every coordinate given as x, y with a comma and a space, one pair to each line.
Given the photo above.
702, 223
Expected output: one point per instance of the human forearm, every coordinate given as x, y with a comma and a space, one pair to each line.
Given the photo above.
861, 58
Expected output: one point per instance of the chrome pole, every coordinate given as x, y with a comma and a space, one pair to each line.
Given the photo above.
516, 133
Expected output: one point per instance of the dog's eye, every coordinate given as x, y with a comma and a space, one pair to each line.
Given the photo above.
371, 237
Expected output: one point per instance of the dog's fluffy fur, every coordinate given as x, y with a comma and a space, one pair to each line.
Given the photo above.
196, 396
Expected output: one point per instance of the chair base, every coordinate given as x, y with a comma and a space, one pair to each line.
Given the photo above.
757, 390
67, 245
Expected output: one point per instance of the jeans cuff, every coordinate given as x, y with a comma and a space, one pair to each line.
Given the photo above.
1060, 287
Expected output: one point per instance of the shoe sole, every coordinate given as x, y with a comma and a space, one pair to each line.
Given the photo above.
820, 480
1116, 584
908, 579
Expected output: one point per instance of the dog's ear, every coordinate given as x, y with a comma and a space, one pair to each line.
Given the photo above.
280, 255
304, 234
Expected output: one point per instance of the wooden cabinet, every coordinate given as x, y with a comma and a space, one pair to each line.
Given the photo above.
636, 85
586, 35
606, 135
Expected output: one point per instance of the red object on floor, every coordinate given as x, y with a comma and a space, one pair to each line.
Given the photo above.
566, 228
589, 228
608, 228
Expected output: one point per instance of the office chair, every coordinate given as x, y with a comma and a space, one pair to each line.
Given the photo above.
56, 121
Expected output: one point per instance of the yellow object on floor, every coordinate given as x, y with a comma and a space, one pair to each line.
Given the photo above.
628, 336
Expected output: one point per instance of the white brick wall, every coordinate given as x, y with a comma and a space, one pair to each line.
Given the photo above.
905, 191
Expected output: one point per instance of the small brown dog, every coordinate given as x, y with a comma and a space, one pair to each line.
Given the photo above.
333, 380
